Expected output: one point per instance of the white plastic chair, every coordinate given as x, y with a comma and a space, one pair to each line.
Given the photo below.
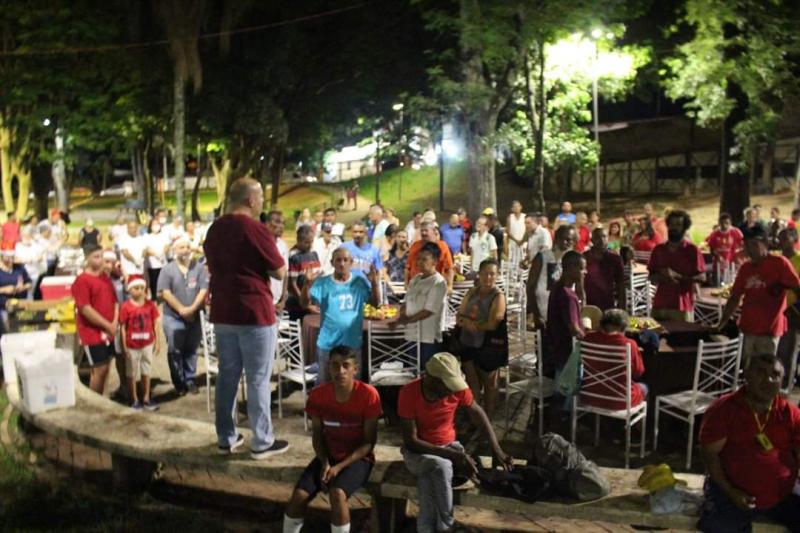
638, 292
451, 307
608, 368
209, 354
642, 256
531, 380
715, 373
398, 288
290, 352
391, 359
707, 313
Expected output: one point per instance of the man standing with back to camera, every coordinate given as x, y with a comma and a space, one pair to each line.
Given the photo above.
243, 314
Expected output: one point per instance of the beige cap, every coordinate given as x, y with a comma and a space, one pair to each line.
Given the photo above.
447, 368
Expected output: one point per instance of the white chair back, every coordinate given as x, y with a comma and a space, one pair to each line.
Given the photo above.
707, 313
398, 288
637, 293
290, 353
716, 371
525, 374
642, 256
452, 305
209, 340
606, 373
391, 359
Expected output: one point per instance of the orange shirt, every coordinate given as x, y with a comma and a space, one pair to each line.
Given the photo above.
445, 258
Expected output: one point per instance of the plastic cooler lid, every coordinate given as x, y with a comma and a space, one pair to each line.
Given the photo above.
58, 280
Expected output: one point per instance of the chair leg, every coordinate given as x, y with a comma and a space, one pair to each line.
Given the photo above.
574, 421
540, 414
508, 395
627, 443
596, 430
208, 386
689, 443
655, 425
642, 437
280, 398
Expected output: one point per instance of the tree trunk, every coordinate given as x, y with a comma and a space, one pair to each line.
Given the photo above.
179, 123
59, 175
221, 176
196, 194
480, 163
766, 169
5, 168
24, 183
276, 167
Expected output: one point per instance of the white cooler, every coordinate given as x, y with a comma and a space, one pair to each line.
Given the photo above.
15, 344
46, 380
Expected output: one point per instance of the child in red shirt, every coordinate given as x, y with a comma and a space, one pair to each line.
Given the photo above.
139, 319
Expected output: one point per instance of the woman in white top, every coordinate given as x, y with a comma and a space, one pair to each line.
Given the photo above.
424, 303
516, 233
31, 254
482, 244
157, 246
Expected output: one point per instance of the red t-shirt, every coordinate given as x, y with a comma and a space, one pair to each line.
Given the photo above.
764, 289
139, 322
642, 243
97, 291
343, 423
686, 260
584, 237
725, 244
637, 370
445, 258
240, 251
435, 420
10, 234
768, 476
601, 276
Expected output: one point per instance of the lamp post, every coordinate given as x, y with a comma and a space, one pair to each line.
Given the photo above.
399, 108
596, 34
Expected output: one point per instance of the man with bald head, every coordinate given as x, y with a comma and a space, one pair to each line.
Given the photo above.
242, 257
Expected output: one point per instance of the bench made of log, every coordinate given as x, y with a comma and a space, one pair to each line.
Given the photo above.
138, 441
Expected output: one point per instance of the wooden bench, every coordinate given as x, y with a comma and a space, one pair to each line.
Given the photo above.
139, 441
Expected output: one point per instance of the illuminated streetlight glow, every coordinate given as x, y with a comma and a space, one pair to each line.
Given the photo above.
398, 107
46, 122
597, 33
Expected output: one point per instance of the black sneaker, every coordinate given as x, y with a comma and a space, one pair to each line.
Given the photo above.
191, 387
278, 447
225, 450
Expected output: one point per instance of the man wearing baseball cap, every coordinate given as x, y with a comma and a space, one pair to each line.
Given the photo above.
763, 282
427, 408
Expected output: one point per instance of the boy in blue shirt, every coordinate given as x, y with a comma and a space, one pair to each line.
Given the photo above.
341, 297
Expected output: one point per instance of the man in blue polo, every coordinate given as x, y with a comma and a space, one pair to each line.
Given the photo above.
453, 234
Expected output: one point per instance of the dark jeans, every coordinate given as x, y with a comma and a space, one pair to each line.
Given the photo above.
426, 351
720, 515
183, 338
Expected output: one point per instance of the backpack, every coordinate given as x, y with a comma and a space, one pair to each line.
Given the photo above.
572, 475
524, 483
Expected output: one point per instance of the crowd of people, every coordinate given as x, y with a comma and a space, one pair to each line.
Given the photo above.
576, 262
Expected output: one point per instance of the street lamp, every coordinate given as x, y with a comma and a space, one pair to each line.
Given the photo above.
597, 33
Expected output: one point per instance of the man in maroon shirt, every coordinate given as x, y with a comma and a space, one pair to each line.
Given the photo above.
605, 274
242, 257
676, 266
97, 317
750, 444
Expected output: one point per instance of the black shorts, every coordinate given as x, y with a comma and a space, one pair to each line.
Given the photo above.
99, 354
483, 359
349, 480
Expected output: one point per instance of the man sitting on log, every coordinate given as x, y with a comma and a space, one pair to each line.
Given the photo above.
427, 407
344, 419
750, 441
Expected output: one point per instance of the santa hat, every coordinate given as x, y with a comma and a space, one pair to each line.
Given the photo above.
136, 280
109, 254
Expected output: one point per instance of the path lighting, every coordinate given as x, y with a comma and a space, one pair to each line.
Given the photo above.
46, 122
398, 107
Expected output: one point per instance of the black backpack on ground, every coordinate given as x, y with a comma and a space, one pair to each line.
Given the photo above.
525, 483
572, 474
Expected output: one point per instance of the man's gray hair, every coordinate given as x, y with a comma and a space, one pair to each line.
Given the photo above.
614, 319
